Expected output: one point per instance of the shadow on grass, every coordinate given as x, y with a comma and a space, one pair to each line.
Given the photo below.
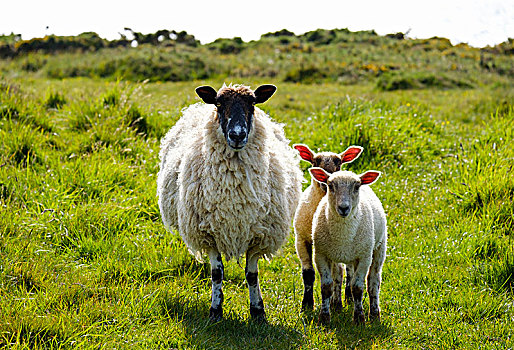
232, 332
350, 335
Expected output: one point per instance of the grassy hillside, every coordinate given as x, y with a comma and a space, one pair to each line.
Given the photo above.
85, 261
391, 62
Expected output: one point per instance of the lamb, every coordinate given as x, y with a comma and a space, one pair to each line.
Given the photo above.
349, 227
230, 183
309, 201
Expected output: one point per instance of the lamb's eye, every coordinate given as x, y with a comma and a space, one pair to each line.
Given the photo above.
356, 188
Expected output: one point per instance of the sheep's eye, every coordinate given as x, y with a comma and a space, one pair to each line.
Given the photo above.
218, 104
357, 187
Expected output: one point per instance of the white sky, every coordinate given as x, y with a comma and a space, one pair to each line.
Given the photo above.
478, 23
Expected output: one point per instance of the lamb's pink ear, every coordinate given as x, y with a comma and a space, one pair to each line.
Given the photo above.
351, 153
264, 92
319, 174
207, 94
369, 177
305, 152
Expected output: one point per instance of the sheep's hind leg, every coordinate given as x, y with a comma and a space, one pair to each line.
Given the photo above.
216, 310
336, 303
252, 278
374, 280
304, 250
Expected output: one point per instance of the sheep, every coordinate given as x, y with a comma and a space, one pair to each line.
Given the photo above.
230, 183
349, 227
309, 201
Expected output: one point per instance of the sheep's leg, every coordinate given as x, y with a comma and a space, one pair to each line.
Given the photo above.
324, 266
304, 250
348, 284
374, 280
252, 279
337, 276
216, 310
358, 281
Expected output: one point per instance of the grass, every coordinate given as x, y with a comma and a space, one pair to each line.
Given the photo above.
85, 261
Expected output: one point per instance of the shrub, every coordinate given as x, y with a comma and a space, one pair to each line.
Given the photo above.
391, 81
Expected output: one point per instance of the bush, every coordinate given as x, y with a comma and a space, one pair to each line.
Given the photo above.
391, 81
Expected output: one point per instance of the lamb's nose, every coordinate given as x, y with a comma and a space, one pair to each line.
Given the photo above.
237, 136
343, 210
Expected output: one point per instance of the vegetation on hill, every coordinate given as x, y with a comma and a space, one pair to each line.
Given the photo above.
338, 55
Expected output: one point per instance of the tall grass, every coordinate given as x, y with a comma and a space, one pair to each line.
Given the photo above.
85, 261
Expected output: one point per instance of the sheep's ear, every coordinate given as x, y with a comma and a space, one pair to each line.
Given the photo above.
207, 94
369, 177
319, 174
264, 92
305, 152
351, 153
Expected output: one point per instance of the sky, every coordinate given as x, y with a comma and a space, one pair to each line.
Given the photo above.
477, 23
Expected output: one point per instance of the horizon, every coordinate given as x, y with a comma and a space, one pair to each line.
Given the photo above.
477, 23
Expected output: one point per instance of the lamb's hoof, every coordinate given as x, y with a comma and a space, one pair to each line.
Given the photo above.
258, 315
358, 318
324, 318
215, 315
374, 317
307, 305
336, 306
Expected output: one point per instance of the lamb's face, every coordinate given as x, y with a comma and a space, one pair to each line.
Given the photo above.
331, 162
343, 192
235, 109
328, 161
344, 188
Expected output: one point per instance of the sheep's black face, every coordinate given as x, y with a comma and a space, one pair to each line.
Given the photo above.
235, 109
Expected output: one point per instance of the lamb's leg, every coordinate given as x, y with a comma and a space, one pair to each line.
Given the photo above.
374, 280
348, 284
216, 310
304, 250
337, 275
325, 272
358, 281
252, 278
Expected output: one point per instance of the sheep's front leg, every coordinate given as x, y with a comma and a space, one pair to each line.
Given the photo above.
337, 276
304, 250
324, 267
358, 282
348, 284
216, 310
252, 278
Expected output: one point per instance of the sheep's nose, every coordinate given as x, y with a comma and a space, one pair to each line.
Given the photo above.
237, 136
343, 210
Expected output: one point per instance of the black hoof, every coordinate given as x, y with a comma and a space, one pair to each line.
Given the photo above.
215, 315
258, 315
358, 318
336, 306
307, 305
324, 318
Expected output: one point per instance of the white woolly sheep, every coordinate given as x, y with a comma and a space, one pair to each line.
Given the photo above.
230, 183
349, 227
309, 201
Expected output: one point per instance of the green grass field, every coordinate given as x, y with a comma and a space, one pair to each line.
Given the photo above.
85, 261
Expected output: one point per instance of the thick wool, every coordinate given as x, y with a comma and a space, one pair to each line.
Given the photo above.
217, 197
